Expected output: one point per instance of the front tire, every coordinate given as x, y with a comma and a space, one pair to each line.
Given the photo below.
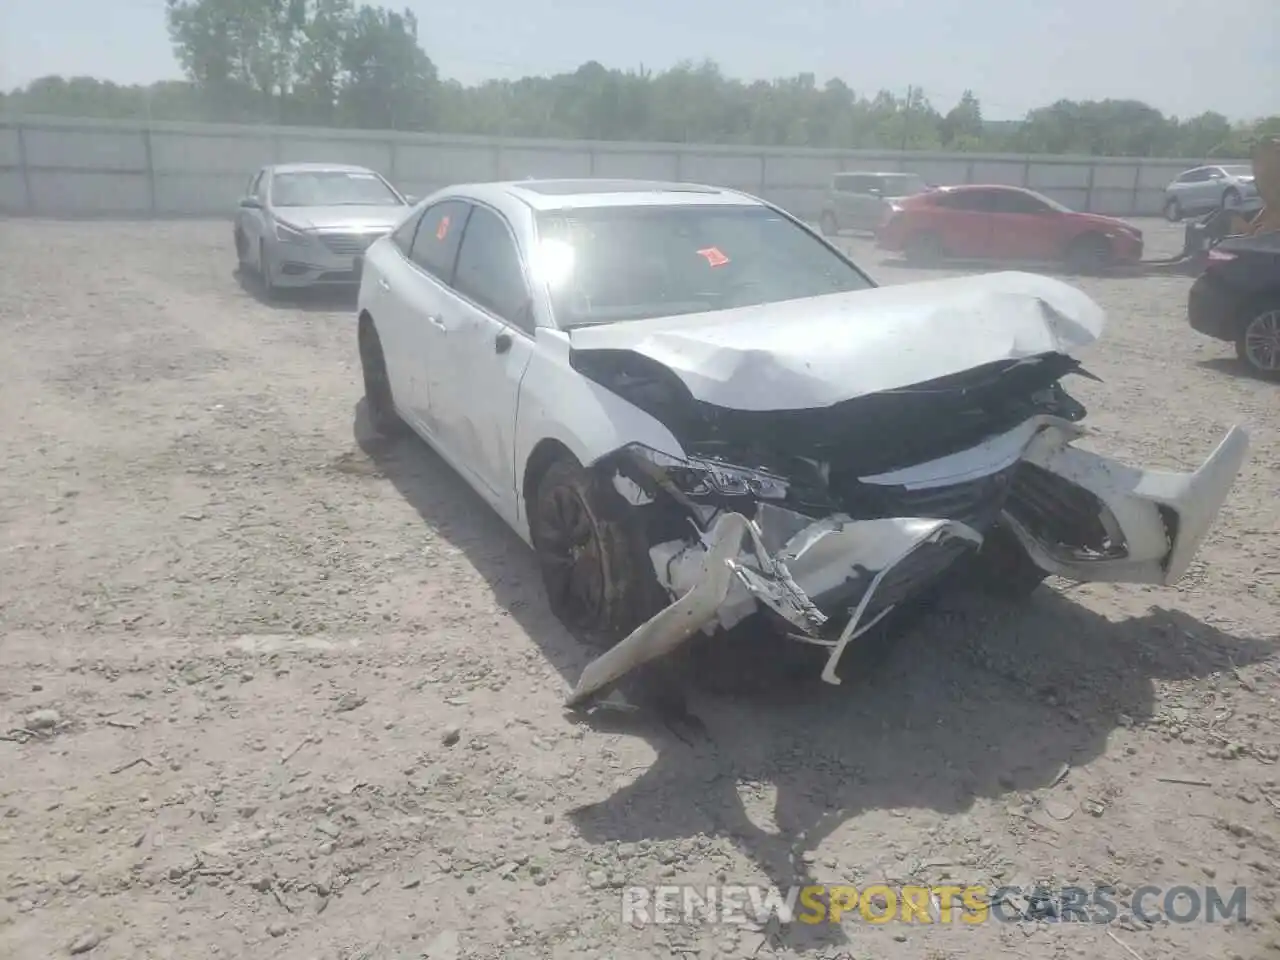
1230, 198
592, 554
378, 399
264, 272
830, 227
1258, 344
1172, 210
1089, 254
1002, 568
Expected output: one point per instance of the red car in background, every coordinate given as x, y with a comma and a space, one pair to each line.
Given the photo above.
1005, 223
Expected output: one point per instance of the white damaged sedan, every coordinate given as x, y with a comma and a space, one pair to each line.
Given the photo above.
695, 409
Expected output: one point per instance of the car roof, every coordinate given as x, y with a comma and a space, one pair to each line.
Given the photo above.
551, 194
317, 168
967, 187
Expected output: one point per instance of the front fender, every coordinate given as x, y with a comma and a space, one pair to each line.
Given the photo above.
559, 404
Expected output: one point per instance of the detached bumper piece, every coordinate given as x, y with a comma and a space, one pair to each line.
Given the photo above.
1078, 515
732, 557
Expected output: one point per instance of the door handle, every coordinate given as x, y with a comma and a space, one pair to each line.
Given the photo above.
437, 322
502, 343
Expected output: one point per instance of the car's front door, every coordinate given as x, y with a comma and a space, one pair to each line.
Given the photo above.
1023, 228
1193, 193
420, 296
249, 219
962, 221
487, 347
846, 198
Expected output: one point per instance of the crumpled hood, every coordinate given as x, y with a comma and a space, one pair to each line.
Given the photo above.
356, 219
806, 354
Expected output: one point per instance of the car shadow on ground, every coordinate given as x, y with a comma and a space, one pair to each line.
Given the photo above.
318, 299
977, 701
1234, 367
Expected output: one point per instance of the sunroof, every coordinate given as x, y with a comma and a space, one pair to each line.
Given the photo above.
564, 188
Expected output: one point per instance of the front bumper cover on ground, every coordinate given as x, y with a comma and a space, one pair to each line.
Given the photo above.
1159, 519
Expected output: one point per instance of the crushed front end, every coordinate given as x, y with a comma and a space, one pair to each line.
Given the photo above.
827, 520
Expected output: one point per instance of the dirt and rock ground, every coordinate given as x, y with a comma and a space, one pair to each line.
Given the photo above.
269, 689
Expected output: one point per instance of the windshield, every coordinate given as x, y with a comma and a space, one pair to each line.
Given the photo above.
331, 188
1239, 170
606, 264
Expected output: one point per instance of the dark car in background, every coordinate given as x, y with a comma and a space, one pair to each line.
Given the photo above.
997, 222
860, 200
1237, 299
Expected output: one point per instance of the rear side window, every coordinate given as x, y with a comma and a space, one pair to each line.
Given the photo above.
403, 235
1194, 176
1012, 201
851, 184
435, 244
489, 271
983, 200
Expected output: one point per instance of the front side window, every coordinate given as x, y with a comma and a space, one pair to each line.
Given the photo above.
332, 188
489, 271
608, 264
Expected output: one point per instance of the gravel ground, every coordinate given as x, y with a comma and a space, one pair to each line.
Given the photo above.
272, 690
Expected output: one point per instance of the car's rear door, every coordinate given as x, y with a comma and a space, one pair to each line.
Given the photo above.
1024, 228
486, 348
418, 296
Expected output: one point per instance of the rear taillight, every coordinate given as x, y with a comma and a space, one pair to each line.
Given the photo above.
1221, 255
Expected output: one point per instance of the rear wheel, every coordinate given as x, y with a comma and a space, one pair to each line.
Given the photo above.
378, 399
1259, 343
924, 249
1172, 210
1230, 198
1090, 253
829, 225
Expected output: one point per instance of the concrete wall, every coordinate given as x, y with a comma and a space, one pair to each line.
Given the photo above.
65, 167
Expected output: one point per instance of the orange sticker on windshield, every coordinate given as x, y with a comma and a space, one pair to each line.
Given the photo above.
714, 257
443, 228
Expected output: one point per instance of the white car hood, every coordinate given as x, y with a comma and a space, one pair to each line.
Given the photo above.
811, 353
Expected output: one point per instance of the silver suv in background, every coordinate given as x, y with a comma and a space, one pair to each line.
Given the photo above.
1204, 189
860, 200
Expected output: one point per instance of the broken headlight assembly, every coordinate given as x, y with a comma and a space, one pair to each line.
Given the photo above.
697, 477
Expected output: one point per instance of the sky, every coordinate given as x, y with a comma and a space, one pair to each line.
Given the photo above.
1180, 56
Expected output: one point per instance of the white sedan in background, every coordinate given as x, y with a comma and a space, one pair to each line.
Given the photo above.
307, 224
694, 409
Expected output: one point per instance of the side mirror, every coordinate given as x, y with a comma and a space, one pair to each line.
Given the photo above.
251, 203
410, 199
875, 191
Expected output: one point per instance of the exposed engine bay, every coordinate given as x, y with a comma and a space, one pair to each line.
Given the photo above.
826, 519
